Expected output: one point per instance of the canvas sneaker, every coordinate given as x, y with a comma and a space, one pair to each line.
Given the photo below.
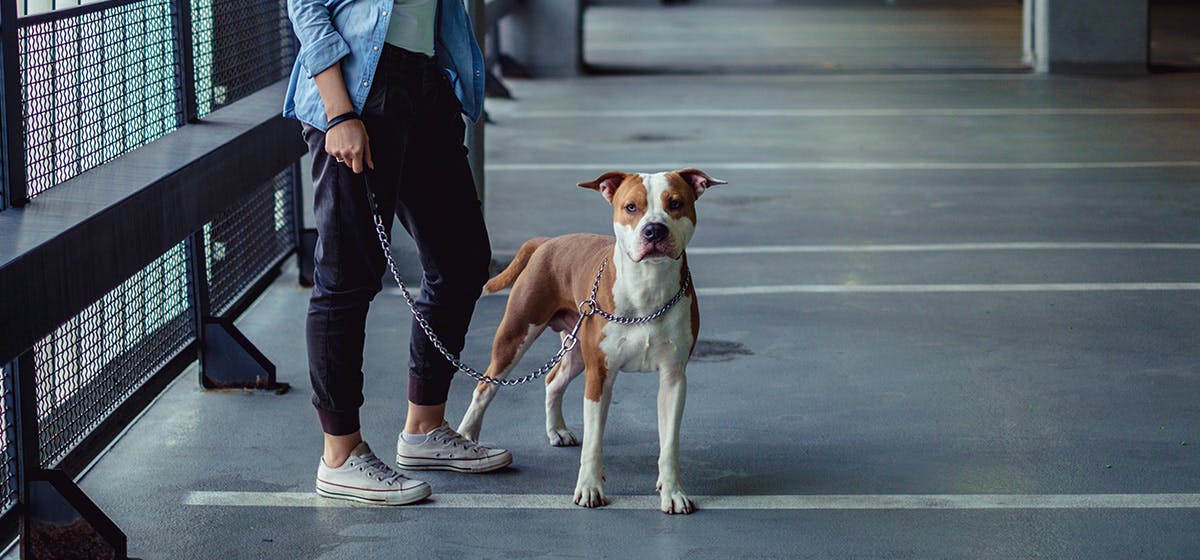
446, 449
366, 478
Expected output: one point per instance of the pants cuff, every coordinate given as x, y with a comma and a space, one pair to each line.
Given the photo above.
338, 423
428, 392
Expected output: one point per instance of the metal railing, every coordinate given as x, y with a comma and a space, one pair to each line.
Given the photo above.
100, 83
83, 105
92, 96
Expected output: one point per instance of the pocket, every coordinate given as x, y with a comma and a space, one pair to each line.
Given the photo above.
376, 102
445, 93
306, 132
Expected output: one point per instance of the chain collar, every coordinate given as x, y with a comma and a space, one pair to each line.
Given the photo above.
589, 306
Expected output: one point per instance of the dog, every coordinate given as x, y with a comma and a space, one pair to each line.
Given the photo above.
642, 269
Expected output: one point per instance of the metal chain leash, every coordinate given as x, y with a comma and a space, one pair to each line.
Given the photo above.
569, 340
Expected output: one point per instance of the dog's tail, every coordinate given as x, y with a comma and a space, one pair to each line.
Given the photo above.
509, 274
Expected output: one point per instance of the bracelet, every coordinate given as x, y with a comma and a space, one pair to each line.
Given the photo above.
341, 119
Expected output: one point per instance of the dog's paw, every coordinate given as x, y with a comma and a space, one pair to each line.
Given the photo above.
590, 495
562, 437
675, 501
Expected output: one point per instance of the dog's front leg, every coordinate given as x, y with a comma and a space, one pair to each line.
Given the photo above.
672, 391
589, 488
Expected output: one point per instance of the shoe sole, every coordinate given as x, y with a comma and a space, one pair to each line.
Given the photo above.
416, 494
442, 464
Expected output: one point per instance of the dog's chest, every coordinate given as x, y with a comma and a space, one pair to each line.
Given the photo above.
649, 346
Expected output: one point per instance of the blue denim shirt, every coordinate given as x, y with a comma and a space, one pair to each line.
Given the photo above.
352, 31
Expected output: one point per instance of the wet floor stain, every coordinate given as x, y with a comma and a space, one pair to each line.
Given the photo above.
651, 137
718, 350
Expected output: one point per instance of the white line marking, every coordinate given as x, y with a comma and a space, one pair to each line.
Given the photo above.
777, 502
598, 50
875, 77
943, 247
919, 288
945, 288
926, 247
846, 165
839, 113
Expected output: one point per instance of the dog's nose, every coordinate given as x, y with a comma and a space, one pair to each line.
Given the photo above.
654, 232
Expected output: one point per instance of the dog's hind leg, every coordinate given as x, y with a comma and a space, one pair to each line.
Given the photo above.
511, 342
556, 384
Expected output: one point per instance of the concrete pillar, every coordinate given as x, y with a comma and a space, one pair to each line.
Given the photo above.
546, 36
1087, 36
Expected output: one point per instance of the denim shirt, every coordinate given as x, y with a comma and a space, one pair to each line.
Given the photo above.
353, 31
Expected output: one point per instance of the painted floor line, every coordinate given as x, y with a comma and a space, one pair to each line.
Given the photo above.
944, 247
933, 75
841, 113
774, 502
925, 247
847, 166
917, 288
947, 288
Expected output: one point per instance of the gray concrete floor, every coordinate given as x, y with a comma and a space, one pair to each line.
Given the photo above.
868, 180
809, 35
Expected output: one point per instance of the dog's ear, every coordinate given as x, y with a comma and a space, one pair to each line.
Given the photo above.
606, 184
699, 180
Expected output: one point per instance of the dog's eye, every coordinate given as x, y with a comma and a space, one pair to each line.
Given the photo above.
631, 208
675, 205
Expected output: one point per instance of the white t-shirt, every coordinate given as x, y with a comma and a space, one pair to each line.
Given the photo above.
412, 24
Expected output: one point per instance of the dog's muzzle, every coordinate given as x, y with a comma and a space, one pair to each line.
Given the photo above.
654, 233
656, 242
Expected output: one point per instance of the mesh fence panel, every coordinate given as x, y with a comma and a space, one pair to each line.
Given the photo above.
88, 366
247, 239
3, 183
95, 86
240, 46
8, 438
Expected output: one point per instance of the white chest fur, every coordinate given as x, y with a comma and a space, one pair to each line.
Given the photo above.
641, 289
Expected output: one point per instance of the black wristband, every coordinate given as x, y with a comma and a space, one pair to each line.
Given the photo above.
341, 119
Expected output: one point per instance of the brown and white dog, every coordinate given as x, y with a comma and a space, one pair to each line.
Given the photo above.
654, 217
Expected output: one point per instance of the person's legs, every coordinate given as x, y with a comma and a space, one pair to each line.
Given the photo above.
349, 266
440, 208
415, 133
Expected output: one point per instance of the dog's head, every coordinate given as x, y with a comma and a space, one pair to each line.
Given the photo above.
654, 214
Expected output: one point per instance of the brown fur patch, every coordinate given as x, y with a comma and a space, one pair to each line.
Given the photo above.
631, 192
691, 293
682, 191
514, 269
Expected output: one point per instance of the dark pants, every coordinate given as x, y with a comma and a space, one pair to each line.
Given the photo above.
421, 173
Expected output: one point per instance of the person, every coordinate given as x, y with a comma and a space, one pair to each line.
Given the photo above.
380, 87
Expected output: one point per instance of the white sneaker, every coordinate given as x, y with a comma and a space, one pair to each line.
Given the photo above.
365, 478
446, 449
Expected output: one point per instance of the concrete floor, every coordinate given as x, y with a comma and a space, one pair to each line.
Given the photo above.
946, 284
808, 35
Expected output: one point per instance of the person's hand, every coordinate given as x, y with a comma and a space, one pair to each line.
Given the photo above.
347, 142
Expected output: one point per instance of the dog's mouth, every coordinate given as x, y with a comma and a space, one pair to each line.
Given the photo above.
662, 250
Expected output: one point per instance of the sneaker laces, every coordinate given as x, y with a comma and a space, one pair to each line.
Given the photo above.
372, 464
455, 439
